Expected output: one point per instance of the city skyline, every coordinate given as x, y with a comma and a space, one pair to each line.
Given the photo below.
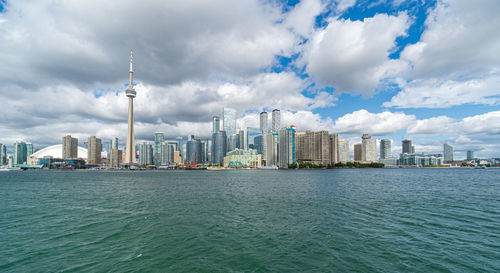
80, 91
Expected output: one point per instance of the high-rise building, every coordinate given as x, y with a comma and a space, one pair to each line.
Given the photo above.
69, 147
369, 148
145, 154
447, 152
114, 143
252, 132
3, 154
407, 143
343, 150
215, 124
358, 152
334, 148
29, 149
233, 142
263, 123
470, 155
259, 143
286, 144
179, 146
204, 150
313, 147
229, 117
159, 138
193, 151
94, 151
130, 157
385, 149
219, 147
115, 159
167, 153
276, 123
20, 155
241, 142
272, 149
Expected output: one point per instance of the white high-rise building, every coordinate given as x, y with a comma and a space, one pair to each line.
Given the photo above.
276, 123
271, 149
263, 123
369, 149
448, 152
229, 120
286, 149
343, 151
145, 154
385, 149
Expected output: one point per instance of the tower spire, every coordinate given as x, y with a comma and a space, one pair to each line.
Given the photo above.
131, 84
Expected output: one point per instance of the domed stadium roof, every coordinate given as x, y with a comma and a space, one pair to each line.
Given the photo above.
56, 152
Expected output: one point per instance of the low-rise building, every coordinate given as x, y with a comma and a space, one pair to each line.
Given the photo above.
243, 159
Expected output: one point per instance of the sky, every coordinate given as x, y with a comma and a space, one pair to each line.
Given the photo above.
418, 69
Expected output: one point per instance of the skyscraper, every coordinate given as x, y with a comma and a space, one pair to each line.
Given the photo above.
313, 147
20, 155
193, 151
407, 146
334, 148
276, 123
385, 149
94, 151
470, 155
130, 93
179, 146
215, 124
358, 152
145, 154
252, 132
343, 150
114, 143
448, 152
286, 145
272, 149
233, 142
241, 142
159, 138
3, 154
115, 158
369, 148
29, 149
219, 147
229, 117
167, 153
70, 147
263, 122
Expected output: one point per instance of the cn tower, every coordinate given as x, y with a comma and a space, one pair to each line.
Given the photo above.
130, 92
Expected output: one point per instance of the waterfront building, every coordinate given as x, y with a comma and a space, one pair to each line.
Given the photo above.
412, 149
369, 149
20, 155
263, 123
215, 124
179, 145
229, 120
241, 142
470, 155
219, 147
94, 151
114, 143
177, 157
159, 138
385, 149
420, 160
69, 147
313, 147
406, 147
259, 144
145, 154
334, 148
276, 123
389, 162
271, 149
29, 149
233, 142
343, 150
448, 152
193, 151
204, 150
358, 152
3, 154
242, 159
115, 159
252, 132
286, 144
130, 155
167, 154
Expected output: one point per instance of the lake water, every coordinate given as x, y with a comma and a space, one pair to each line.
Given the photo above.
362, 220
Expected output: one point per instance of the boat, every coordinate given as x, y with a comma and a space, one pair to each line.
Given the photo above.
272, 167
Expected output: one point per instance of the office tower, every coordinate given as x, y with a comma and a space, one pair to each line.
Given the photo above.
263, 123
343, 150
276, 123
470, 155
204, 150
167, 153
20, 154
29, 149
241, 142
193, 151
259, 143
130, 93
159, 138
286, 146
448, 152
114, 143
219, 147
146, 154
229, 118
369, 148
334, 148
94, 151
385, 149
313, 147
358, 152
272, 149
69, 147
233, 142
407, 146
3, 154
215, 124
179, 145
115, 159
252, 132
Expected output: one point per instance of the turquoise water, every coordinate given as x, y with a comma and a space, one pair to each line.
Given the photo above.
361, 220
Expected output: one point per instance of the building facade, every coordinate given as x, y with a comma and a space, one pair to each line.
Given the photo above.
94, 151
215, 124
20, 154
242, 159
193, 151
219, 147
286, 147
69, 147
343, 150
407, 146
385, 149
145, 154
420, 160
229, 117
447, 152
470, 155
264, 125
115, 159
3, 154
272, 149
369, 149
159, 138
276, 122
358, 152
313, 147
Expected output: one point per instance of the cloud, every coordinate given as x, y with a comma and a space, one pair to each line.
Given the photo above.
352, 56
377, 124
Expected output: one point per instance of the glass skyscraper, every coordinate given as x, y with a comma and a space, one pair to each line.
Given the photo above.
286, 144
3, 154
448, 152
159, 138
20, 153
385, 148
219, 147
229, 118
145, 154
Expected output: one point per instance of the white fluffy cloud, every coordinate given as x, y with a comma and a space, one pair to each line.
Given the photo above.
352, 56
378, 124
